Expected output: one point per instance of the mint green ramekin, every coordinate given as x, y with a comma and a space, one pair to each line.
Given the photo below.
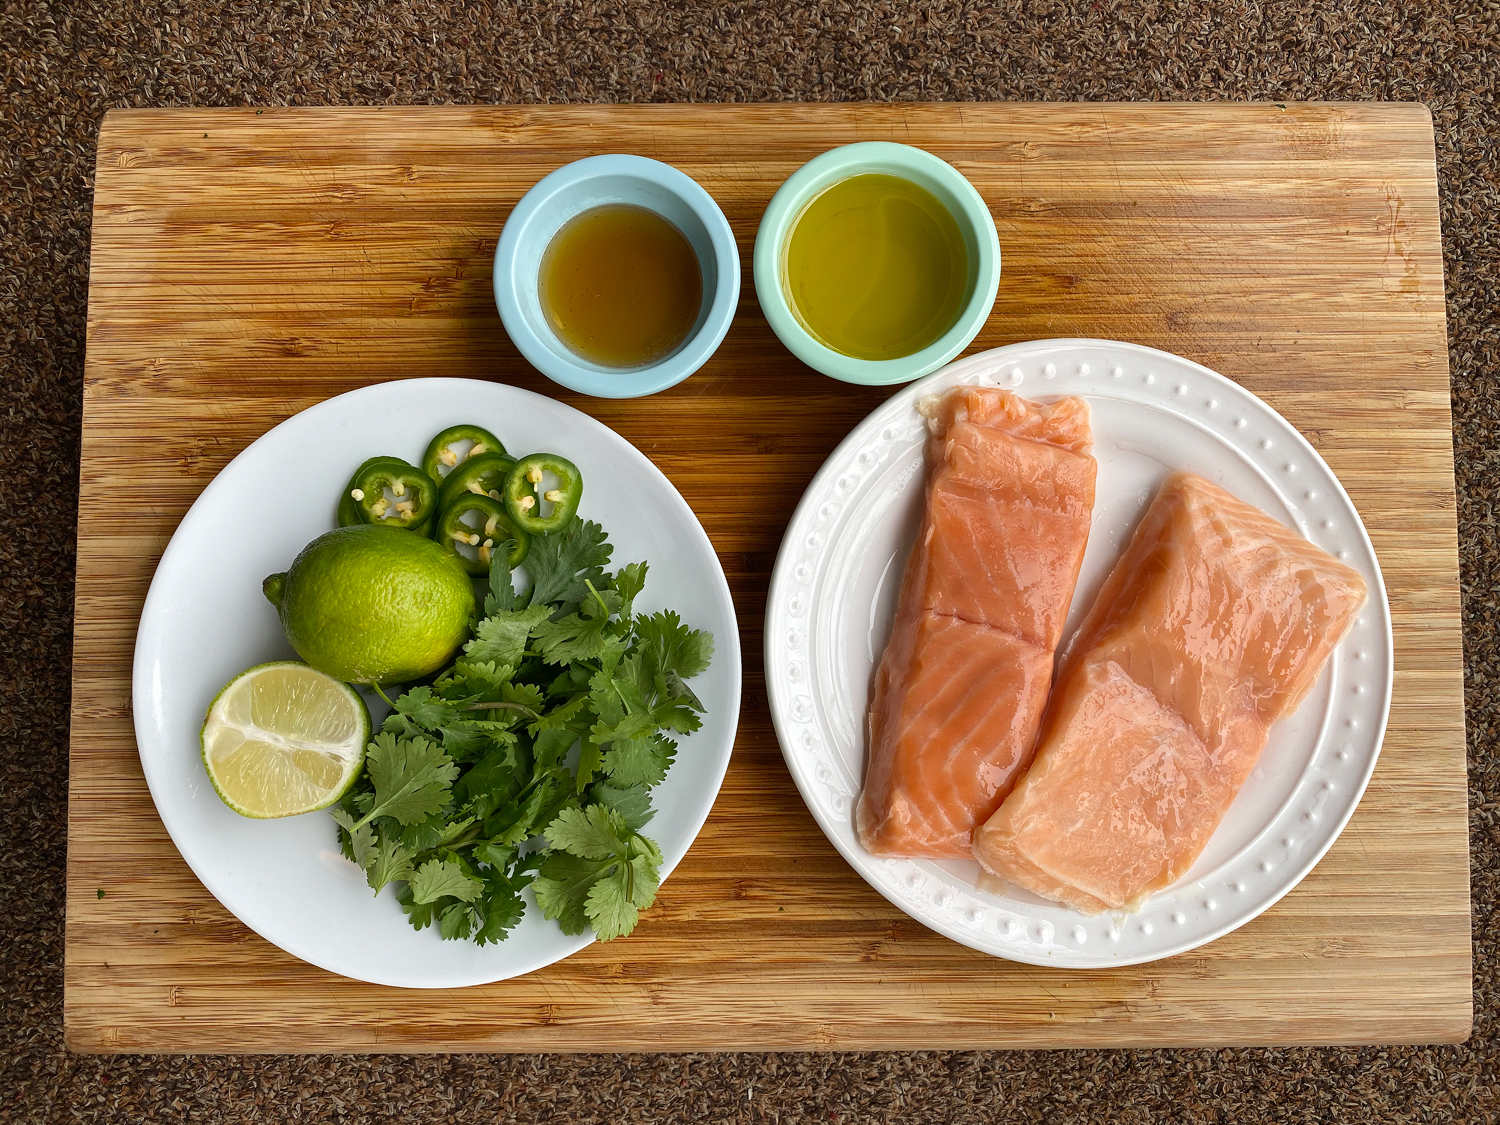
920, 167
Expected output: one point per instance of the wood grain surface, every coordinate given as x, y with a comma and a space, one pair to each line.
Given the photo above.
249, 264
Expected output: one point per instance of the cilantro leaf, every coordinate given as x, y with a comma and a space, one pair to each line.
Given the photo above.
677, 715
560, 563
611, 698
572, 679
561, 797
465, 743
421, 915
552, 746
644, 704
628, 583
670, 646
492, 781
501, 907
615, 901
599, 873
592, 833
439, 878
528, 696
502, 593
578, 636
401, 726
482, 676
633, 725
424, 834
495, 854
607, 906
412, 777
518, 823
451, 832
639, 761
501, 637
646, 846
562, 889
679, 691
360, 837
420, 706
590, 758
556, 731
632, 803
389, 861
457, 921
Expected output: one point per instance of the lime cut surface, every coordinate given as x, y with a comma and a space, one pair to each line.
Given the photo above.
283, 739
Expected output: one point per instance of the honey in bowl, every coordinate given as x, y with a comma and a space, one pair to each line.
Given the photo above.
620, 286
875, 267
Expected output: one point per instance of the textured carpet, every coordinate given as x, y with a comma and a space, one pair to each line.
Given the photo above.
64, 64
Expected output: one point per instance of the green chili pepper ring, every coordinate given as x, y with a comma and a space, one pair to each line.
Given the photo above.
347, 513
348, 510
526, 501
493, 528
439, 460
483, 475
416, 494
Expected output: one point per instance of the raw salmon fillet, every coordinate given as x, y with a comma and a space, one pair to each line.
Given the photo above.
1211, 628
962, 684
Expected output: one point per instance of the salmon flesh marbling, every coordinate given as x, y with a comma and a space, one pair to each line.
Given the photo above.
963, 682
1212, 627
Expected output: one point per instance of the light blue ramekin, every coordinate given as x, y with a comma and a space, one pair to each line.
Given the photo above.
922, 168
592, 182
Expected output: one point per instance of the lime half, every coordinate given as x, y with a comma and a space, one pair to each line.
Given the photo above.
283, 739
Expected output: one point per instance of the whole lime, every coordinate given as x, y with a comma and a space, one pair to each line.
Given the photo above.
373, 605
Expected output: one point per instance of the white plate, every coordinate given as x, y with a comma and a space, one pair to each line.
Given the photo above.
833, 596
205, 621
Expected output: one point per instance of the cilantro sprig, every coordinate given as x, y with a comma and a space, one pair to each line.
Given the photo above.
473, 791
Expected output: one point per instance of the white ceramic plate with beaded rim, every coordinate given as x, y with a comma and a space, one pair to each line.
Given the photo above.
205, 621
833, 597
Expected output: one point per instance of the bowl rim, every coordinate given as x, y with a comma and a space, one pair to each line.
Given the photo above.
822, 172
627, 382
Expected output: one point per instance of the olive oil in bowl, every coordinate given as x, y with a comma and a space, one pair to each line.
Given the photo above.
876, 268
620, 286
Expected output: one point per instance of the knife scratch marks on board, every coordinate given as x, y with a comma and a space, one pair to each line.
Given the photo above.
1398, 240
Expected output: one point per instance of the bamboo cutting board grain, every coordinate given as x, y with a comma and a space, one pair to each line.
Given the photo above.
249, 264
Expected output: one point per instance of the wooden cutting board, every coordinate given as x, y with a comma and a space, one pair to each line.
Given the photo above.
249, 264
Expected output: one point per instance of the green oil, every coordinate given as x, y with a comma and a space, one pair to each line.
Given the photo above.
876, 268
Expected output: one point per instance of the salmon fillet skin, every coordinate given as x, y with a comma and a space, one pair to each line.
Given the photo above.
1212, 627
963, 682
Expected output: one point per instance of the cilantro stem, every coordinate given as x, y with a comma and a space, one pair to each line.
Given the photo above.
621, 696
364, 820
380, 692
521, 707
598, 597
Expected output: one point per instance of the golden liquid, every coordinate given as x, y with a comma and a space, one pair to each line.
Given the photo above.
620, 286
876, 267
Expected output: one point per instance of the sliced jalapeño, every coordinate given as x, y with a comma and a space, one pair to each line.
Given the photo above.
480, 522
413, 495
483, 475
534, 506
443, 452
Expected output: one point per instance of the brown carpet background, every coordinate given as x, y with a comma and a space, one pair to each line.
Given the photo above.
63, 64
